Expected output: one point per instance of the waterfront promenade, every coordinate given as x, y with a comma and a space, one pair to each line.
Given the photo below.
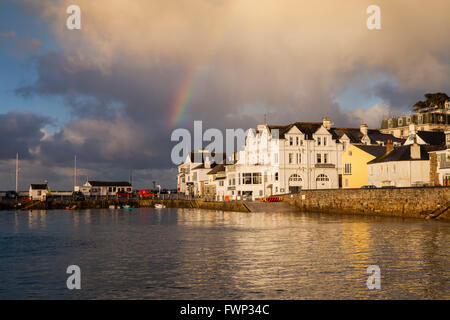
424, 203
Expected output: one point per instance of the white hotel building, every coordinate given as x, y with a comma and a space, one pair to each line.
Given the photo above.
279, 160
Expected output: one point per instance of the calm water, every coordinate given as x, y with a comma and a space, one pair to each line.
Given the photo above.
199, 254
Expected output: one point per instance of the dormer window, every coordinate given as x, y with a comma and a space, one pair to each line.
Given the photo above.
400, 121
324, 141
319, 140
297, 139
291, 141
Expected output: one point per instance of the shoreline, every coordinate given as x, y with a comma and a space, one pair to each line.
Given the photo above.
422, 203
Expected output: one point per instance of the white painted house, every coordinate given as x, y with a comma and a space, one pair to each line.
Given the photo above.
284, 159
104, 188
404, 166
38, 191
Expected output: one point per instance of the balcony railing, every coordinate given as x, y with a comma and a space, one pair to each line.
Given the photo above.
325, 165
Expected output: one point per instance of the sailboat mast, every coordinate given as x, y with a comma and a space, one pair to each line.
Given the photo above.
75, 174
17, 172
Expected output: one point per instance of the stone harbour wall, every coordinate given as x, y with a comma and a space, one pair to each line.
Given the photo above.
401, 202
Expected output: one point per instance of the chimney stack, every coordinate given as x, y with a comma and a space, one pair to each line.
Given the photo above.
389, 146
415, 151
363, 129
326, 122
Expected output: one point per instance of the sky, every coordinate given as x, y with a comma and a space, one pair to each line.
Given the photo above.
113, 92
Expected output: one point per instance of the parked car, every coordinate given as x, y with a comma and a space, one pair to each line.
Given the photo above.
369, 186
388, 187
78, 196
11, 195
146, 193
123, 194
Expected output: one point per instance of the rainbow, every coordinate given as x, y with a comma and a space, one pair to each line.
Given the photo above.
188, 87
183, 97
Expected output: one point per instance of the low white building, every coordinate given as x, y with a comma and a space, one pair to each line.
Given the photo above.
104, 188
404, 166
38, 191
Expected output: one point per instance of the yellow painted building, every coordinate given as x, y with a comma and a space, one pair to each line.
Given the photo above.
354, 164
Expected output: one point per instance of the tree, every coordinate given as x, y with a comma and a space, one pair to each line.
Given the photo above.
431, 100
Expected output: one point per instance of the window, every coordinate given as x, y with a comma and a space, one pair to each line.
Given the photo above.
319, 158
294, 178
257, 178
276, 176
322, 177
297, 140
324, 141
348, 168
319, 140
400, 122
291, 141
247, 178
220, 183
325, 158
291, 158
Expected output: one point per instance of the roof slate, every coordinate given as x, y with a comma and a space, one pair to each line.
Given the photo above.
109, 183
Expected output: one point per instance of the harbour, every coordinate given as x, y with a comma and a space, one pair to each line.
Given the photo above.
176, 253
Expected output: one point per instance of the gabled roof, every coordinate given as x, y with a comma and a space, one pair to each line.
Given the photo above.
200, 157
376, 151
308, 128
109, 183
434, 138
376, 135
218, 168
403, 153
354, 134
39, 186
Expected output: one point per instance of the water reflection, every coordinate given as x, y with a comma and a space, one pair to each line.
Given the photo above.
199, 254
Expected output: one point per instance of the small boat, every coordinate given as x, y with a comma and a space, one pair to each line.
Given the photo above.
127, 207
159, 206
71, 208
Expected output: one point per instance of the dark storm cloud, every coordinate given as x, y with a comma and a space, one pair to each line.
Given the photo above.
21, 132
237, 60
